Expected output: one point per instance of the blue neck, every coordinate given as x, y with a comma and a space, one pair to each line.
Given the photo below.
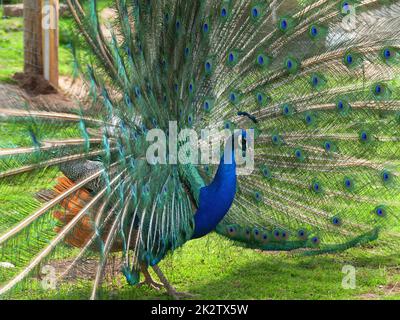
217, 198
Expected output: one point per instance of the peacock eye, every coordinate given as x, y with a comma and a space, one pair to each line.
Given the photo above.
317, 187
284, 24
380, 211
315, 240
287, 110
386, 176
328, 146
255, 12
224, 12
314, 31
364, 136
302, 234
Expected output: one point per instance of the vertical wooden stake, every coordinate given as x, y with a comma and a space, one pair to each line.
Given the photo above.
50, 34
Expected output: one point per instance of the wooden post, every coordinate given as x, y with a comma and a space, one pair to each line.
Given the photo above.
50, 13
41, 37
33, 58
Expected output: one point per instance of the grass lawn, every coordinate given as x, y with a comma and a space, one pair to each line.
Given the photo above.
213, 267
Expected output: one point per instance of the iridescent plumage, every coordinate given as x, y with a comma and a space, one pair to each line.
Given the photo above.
317, 81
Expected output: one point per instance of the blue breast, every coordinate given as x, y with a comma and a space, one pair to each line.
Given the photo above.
216, 199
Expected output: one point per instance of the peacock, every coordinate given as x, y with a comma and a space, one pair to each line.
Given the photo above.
294, 105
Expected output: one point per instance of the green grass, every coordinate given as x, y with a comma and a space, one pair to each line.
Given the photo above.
213, 268
11, 47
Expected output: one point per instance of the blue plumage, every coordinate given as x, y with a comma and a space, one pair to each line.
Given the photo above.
216, 199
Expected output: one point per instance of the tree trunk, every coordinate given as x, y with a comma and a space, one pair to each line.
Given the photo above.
33, 49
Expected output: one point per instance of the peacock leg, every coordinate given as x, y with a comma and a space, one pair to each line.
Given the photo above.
148, 280
170, 289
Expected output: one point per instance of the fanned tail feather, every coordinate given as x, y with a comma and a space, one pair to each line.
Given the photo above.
323, 101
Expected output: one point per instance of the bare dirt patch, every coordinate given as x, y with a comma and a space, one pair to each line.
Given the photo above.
36, 93
34, 84
86, 269
14, 97
384, 291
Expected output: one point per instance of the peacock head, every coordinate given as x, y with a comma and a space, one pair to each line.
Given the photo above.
239, 151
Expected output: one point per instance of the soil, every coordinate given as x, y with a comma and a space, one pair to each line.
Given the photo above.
87, 269
34, 84
384, 291
38, 94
